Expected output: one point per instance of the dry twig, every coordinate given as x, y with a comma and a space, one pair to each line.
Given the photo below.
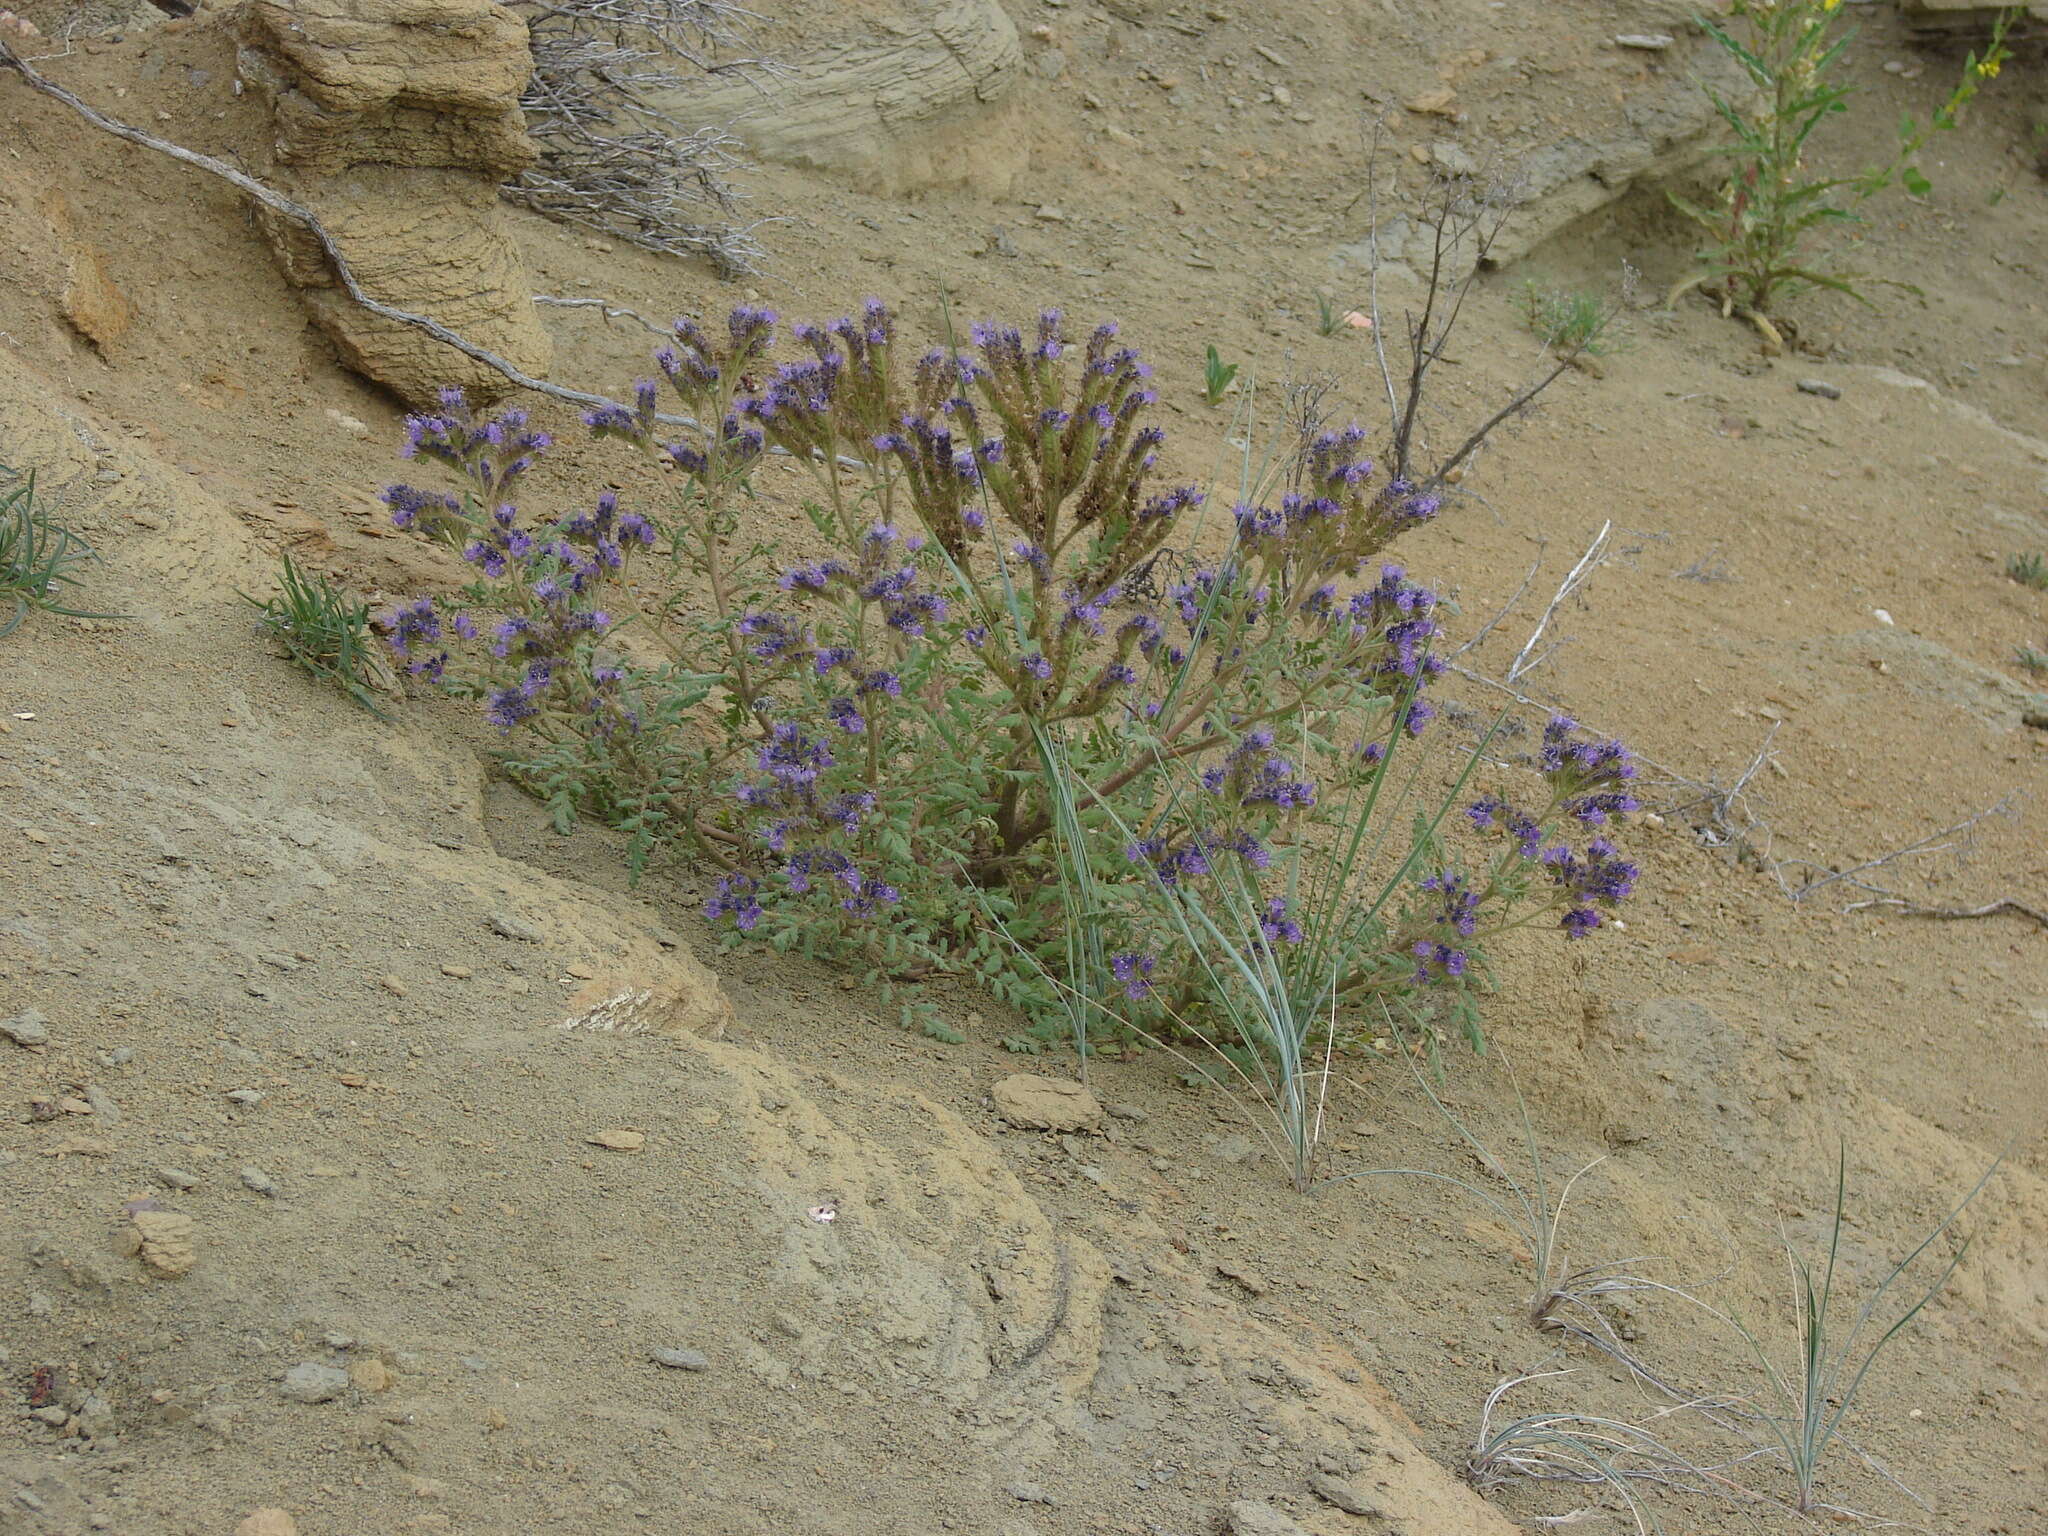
1953, 914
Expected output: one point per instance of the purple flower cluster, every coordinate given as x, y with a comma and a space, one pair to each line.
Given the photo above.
839, 399
1134, 970
493, 453
1252, 774
1586, 779
1588, 776
1276, 925
1459, 910
738, 898
1491, 813
1601, 879
1436, 962
1173, 859
885, 574
800, 822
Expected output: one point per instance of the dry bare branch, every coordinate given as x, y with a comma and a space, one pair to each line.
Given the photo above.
611, 160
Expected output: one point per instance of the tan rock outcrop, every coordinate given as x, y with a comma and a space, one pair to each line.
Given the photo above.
900, 97
396, 122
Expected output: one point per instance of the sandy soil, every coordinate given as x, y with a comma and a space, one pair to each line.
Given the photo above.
331, 989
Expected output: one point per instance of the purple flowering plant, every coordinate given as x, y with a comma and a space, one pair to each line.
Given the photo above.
1015, 658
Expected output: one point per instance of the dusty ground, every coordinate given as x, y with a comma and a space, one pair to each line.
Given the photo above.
215, 877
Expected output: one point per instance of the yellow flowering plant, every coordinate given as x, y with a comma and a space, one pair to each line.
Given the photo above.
1767, 228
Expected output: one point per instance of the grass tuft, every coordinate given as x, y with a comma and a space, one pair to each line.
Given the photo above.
324, 632
1568, 322
37, 556
1804, 1408
2028, 571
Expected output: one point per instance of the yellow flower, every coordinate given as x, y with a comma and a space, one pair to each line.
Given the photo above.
1829, 5
1988, 68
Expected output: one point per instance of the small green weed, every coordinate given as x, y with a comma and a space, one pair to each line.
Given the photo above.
1332, 317
2034, 661
1569, 323
36, 556
2029, 571
1216, 377
324, 632
923, 1018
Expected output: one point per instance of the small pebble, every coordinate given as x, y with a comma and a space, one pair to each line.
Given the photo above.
248, 1098
258, 1180
458, 972
1820, 387
681, 1359
311, 1381
176, 1178
392, 984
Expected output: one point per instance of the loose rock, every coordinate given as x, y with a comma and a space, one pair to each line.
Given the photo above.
312, 1381
1245, 1276
1033, 1103
27, 1029
163, 1241
619, 1141
1820, 387
268, 1521
1248, 1517
248, 1098
1334, 1490
506, 926
176, 1178
681, 1359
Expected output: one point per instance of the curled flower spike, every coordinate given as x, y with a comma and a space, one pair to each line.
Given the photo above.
492, 453
1602, 877
1134, 971
1459, 911
1588, 776
737, 899
409, 504
1276, 925
413, 622
1438, 962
